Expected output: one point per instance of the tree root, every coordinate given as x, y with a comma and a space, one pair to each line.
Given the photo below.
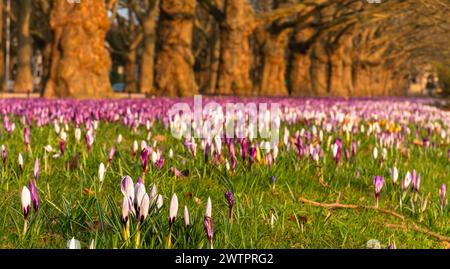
403, 226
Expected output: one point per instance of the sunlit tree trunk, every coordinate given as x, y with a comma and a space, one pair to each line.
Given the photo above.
148, 51
131, 71
2, 55
236, 54
24, 77
299, 75
319, 70
80, 61
174, 74
273, 77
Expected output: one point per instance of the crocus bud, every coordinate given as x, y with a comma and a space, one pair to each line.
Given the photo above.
170, 154
36, 169
20, 161
406, 181
378, 182
101, 172
25, 201
173, 209
186, 217
78, 134
4, 155
140, 192
119, 139
111, 154
73, 244
394, 174
208, 223
144, 159
127, 188
230, 199
135, 148
27, 138
159, 201
375, 153
34, 195
144, 207
125, 210
62, 142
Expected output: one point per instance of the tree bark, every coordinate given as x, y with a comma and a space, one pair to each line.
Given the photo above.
319, 69
146, 79
2, 55
236, 55
80, 62
299, 75
24, 77
273, 77
131, 71
174, 74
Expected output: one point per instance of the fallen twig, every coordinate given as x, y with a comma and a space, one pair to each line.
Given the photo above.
404, 226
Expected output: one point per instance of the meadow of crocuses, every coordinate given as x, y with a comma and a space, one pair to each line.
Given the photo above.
111, 174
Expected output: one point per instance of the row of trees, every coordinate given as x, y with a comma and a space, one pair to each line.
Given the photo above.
230, 47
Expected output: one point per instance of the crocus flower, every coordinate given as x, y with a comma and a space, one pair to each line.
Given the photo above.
25, 199
144, 160
125, 210
101, 172
111, 154
346, 154
353, 149
229, 196
119, 139
394, 174
139, 193
406, 181
135, 148
173, 209
375, 153
36, 169
244, 148
378, 182
159, 201
34, 195
144, 207
442, 194
391, 246
252, 155
170, 154
27, 138
4, 155
186, 217
176, 172
78, 134
207, 152
160, 163
127, 189
20, 162
73, 244
208, 223
62, 142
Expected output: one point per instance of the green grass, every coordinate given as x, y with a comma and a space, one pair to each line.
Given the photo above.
67, 210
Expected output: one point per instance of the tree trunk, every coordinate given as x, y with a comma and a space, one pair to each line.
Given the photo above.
148, 51
131, 71
273, 77
2, 55
319, 70
80, 61
24, 77
299, 75
174, 74
236, 54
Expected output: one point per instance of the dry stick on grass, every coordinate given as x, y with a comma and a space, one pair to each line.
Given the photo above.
403, 226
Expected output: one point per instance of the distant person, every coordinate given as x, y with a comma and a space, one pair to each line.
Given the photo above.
431, 85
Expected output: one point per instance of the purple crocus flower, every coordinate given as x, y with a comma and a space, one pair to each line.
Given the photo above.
252, 155
353, 149
346, 154
207, 152
391, 246
378, 182
442, 194
62, 146
36, 169
244, 147
269, 159
229, 196
34, 195
111, 154
160, 163
144, 160
27, 138
299, 145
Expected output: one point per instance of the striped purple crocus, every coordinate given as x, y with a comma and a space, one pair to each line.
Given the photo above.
207, 152
36, 169
299, 145
229, 196
34, 195
144, 160
244, 147
353, 149
378, 182
252, 155
346, 154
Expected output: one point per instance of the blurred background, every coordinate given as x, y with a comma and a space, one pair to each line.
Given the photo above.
141, 48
